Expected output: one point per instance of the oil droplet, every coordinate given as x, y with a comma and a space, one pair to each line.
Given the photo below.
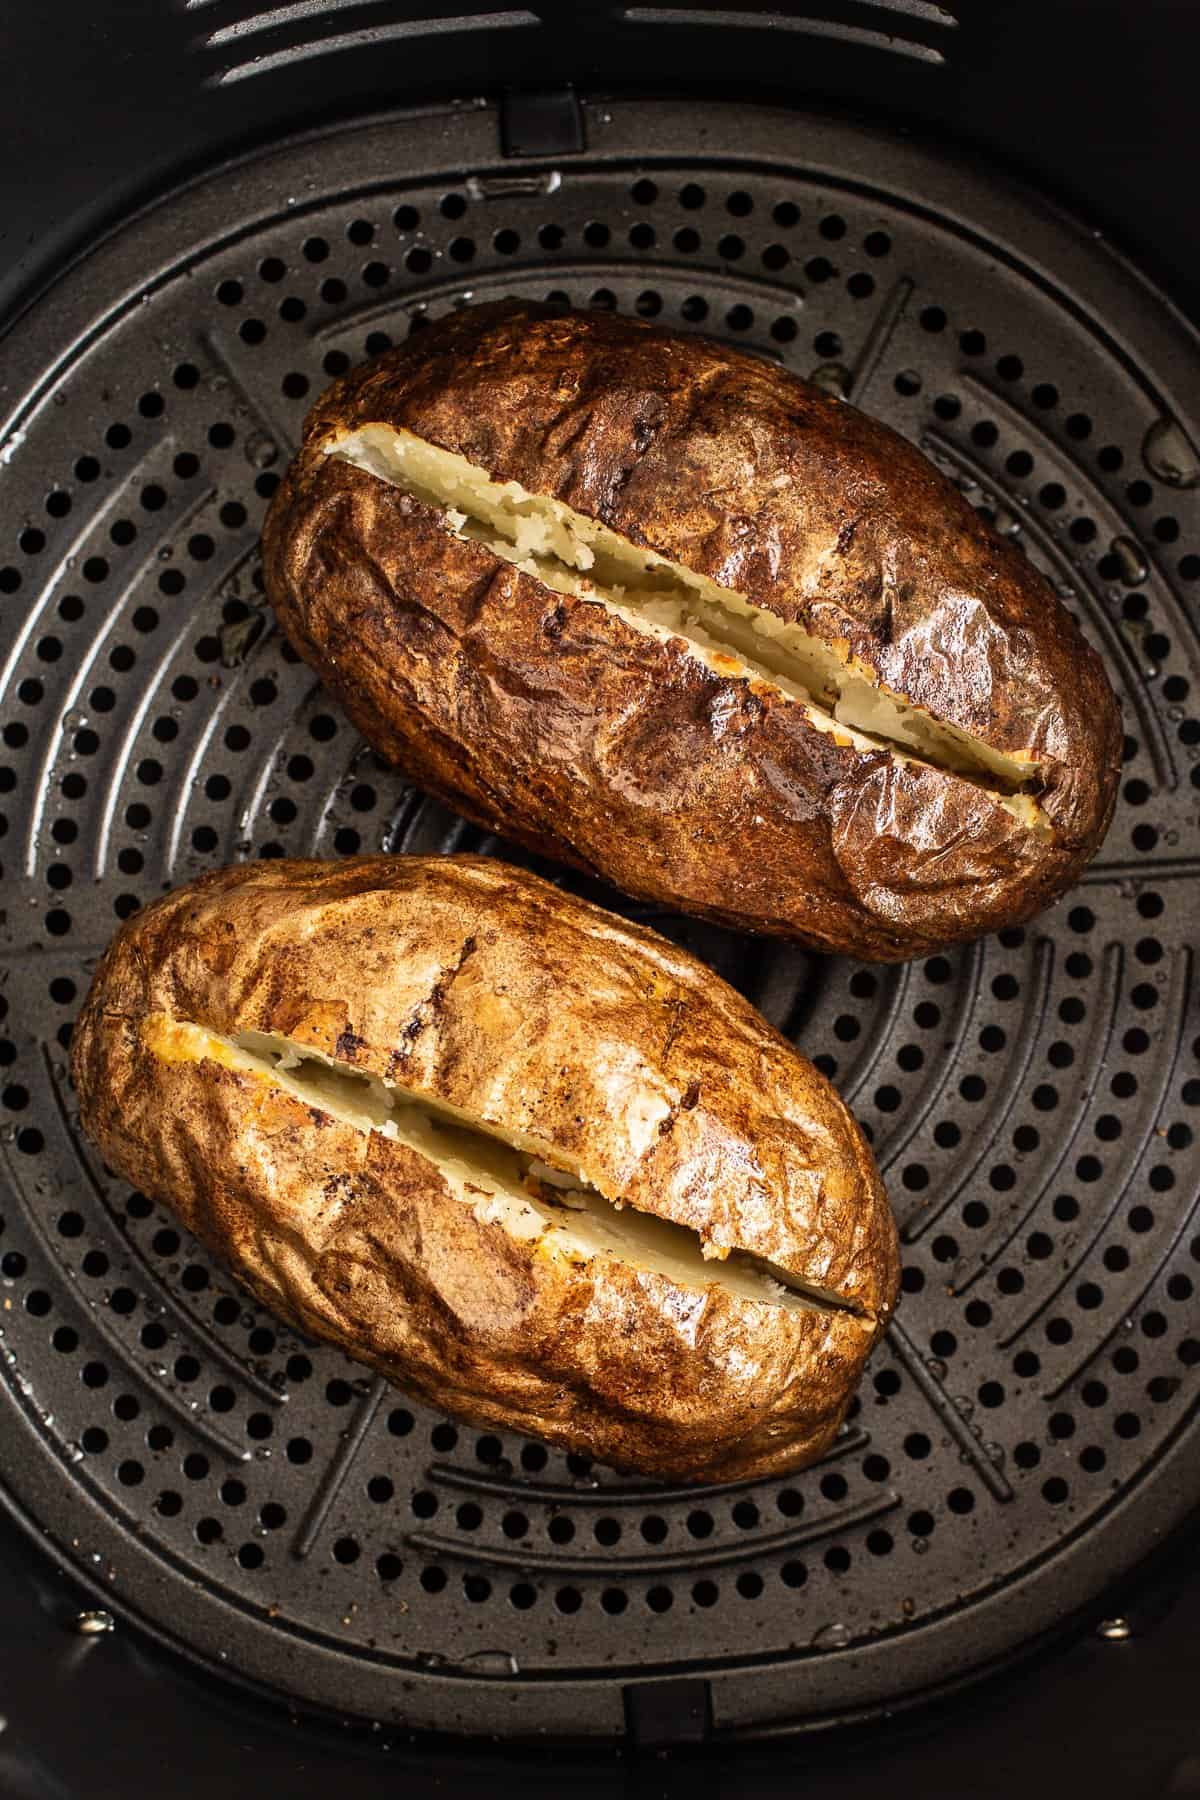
498, 1665
831, 1637
963, 1406
1130, 555
1006, 522
1169, 453
832, 378
936, 1367
94, 1622
430, 1659
920, 1546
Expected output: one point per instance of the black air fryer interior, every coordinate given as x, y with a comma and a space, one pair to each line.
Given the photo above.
1026, 1437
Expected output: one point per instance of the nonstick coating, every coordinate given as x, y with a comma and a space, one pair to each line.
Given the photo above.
1027, 1431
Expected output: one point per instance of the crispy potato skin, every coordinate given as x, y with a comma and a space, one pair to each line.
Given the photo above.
574, 734
484, 986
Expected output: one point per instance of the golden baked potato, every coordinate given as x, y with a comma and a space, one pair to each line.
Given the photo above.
531, 1162
669, 614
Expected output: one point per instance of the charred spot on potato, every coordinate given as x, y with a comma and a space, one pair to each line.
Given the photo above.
575, 555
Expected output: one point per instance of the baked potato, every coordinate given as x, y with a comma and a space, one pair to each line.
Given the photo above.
533, 1163
667, 613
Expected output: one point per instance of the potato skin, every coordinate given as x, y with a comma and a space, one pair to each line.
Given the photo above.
572, 733
484, 986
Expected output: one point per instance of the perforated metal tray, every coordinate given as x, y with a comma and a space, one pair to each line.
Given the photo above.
1028, 1428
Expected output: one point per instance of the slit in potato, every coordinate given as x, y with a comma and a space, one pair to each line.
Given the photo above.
519, 1185
573, 554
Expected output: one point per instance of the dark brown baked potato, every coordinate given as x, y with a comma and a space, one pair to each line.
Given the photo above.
531, 1162
673, 616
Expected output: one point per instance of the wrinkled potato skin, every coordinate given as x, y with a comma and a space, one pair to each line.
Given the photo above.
484, 986
572, 733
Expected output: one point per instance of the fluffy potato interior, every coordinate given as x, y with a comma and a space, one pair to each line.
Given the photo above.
573, 554
552, 1208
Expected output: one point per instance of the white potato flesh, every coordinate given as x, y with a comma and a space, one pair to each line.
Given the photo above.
503, 1182
572, 554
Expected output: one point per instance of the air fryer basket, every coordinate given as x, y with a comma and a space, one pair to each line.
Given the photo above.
1027, 1431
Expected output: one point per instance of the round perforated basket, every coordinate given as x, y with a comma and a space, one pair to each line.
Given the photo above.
1027, 1430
